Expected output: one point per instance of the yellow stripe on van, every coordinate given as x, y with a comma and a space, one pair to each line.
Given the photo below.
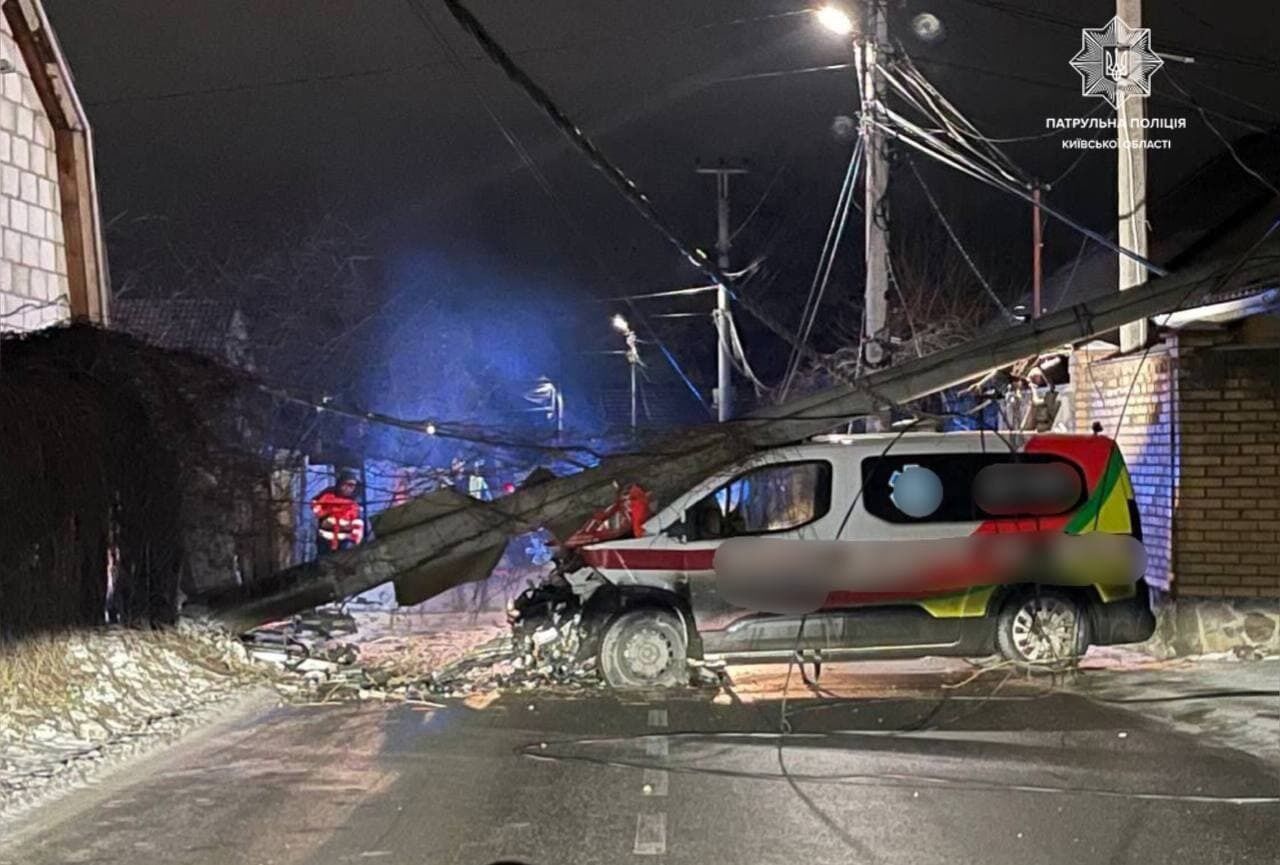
959, 605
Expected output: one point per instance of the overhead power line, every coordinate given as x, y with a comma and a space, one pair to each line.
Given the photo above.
592, 43
926, 99
964, 253
1268, 64
911, 134
1225, 142
822, 273
526, 158
1001, 74
674, 292
616, 177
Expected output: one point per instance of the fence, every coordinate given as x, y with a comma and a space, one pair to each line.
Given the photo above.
110, 452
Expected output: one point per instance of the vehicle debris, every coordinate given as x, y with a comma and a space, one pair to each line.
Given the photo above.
323, 660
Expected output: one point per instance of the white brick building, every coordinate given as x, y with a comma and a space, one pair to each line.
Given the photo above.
51, 258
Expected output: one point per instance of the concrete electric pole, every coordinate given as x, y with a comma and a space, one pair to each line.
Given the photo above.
1132, 177
1037, 252
724, 384
874, 34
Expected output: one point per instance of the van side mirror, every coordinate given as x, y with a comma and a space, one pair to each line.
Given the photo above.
678, 530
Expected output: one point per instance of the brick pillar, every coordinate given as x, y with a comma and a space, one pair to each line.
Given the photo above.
1135, 399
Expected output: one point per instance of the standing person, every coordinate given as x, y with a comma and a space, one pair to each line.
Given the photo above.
339, 524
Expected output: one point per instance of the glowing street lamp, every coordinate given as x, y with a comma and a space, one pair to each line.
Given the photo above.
834, 19
620, 324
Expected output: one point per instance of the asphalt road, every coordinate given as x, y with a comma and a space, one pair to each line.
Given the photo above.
948, 776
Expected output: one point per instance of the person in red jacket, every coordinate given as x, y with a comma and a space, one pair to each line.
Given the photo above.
339, 524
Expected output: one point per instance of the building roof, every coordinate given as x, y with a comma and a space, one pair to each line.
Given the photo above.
1216, 211
208, 327
44, 61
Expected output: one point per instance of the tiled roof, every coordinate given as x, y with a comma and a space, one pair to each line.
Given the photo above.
207, 327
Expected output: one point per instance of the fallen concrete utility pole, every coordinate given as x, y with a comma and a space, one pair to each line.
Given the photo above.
445, 539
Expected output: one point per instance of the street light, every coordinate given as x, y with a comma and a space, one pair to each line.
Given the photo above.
633, 357
834, 19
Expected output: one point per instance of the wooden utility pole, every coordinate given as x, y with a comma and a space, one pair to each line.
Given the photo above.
724, 381
1132, 177
874, 34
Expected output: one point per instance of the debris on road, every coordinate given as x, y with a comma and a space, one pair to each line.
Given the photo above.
326, 656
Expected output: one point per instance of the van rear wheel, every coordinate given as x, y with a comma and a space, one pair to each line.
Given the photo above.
645, 648
1042, 627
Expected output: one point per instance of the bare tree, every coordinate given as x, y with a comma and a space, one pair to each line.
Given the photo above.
308, 291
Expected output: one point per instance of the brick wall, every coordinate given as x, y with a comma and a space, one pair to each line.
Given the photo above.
1201, 435
33, 262
1146, 429
1226, 520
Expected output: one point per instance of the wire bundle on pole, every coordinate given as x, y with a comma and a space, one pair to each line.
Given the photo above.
826, 259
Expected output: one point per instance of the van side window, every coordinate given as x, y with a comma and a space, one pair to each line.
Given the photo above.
967, 487
772, 498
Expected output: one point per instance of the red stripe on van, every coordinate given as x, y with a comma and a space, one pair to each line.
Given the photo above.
656, 559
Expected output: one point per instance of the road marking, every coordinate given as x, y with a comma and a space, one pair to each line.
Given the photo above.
651, 834
655, 782
651, 829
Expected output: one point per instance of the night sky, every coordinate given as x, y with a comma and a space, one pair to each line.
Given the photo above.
243, 111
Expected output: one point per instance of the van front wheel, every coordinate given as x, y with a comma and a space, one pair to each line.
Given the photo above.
645, 648
1042, 627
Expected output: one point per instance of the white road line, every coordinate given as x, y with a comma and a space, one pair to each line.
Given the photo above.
651, 834
651, 829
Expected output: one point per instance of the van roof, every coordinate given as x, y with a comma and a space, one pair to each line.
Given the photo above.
957, 435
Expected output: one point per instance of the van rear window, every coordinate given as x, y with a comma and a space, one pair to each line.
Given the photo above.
967, 487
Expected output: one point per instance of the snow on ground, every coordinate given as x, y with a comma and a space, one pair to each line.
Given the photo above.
75, 704
1218, 697
72, 704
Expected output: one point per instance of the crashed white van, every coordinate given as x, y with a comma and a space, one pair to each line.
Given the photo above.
646, 605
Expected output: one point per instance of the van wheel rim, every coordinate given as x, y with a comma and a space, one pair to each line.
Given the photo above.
1046, 629
648, 653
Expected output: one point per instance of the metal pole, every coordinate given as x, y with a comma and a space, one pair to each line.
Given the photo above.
1037, 244
1132, 176
631, 358
724, 363
874, 33
723, 382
